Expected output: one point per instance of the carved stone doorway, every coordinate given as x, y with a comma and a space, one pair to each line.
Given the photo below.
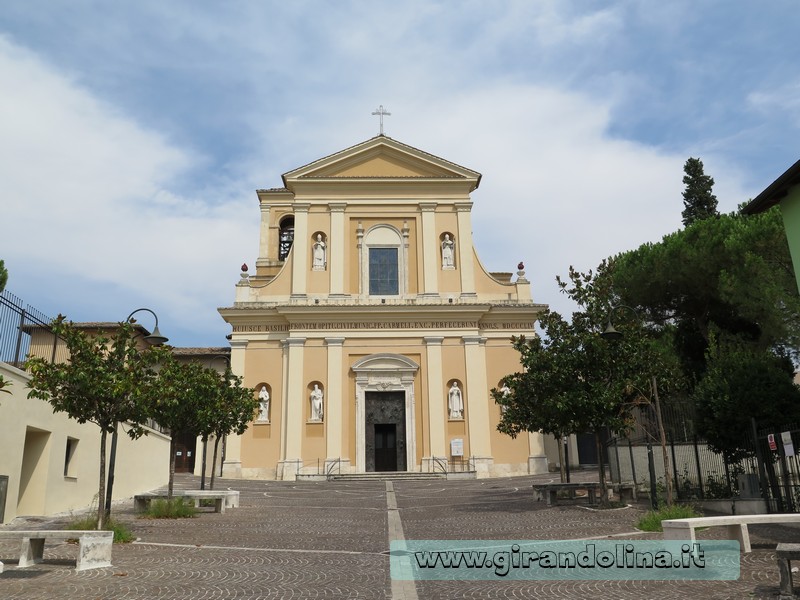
385, 429
385, 396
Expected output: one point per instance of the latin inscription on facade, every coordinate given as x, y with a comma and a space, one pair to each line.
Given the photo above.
380, 325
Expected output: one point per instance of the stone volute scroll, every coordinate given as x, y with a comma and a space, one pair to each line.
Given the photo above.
319, 254
316, 404
448, 253
455, 402
263, 404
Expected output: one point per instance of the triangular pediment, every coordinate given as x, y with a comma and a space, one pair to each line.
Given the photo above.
381, 158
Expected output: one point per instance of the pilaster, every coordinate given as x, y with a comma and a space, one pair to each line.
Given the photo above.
436, 408
292, 433
430, 258
477, 397
464, 248
337, 242
232, 465
300, 246
336, 396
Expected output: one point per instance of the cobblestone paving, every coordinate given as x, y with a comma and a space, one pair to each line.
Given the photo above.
329, 541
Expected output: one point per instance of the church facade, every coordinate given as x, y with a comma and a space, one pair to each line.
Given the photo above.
370, 330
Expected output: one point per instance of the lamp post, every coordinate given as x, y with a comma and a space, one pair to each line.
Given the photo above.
610, 333
154, 339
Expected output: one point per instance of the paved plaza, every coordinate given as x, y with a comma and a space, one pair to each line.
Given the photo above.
330, 540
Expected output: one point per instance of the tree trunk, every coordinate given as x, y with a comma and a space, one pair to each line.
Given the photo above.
662, 434
203, 475
561, 459
101, 493
602, 469
171, 467
214, 461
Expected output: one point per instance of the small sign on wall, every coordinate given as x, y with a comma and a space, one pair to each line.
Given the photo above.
788, 446
457, 447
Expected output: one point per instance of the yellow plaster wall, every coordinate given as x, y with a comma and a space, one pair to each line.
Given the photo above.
501, 360
261, 442
142, 464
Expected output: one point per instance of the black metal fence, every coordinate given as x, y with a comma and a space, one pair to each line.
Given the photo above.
769, 471
25, 331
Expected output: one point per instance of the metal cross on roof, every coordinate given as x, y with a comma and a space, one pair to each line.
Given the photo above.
380, 111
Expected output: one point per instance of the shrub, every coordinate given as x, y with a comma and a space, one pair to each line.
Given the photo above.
651, 521
177, 508
122, 533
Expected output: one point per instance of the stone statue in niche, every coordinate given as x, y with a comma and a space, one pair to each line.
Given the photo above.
318, 253
455, 402
506, 392
316, 403
448, 248
263, 404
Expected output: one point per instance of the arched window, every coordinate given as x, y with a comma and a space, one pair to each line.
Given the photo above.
383, 262
285, 237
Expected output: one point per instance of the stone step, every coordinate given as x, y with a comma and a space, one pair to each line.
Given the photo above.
386, 476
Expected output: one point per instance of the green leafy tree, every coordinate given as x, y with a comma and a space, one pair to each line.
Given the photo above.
3, 276
743, 383
232, 412
698, 199
573, 380
103, 382
732, 274
179, 399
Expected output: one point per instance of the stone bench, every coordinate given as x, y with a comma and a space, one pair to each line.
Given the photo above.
550, 491
222, 499
683, 529
626, 492
785, 554
94, 547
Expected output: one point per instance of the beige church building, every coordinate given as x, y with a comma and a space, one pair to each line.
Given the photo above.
369, 328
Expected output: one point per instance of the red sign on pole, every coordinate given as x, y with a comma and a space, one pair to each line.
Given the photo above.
771, 439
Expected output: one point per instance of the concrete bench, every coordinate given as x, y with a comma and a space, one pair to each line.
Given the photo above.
785, 554
550, 491
222, 499
683, 529
626, 492
94, 547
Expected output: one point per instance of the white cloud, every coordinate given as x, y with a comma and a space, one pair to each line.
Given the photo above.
87, 198
783, 99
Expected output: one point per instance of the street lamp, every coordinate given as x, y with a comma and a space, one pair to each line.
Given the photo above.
154, 339
611, 334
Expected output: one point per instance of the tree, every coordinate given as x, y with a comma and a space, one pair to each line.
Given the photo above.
743, 383
180, 398
698, 200
103, 382
232, 412
732, 274
3, 276
573, 381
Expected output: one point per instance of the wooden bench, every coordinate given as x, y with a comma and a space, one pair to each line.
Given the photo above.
550, 491
222, 499
683, 529
785, 554
94, 547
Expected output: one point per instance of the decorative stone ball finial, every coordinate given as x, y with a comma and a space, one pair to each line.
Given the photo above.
244, 267
521, 270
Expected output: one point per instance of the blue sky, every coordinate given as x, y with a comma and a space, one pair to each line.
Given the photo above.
133, 134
